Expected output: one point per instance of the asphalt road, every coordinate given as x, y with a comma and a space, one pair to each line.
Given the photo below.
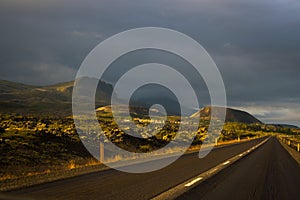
112, 184
267, 173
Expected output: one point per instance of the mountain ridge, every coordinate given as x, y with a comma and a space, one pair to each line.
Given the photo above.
56, 99
232, 115
52, 99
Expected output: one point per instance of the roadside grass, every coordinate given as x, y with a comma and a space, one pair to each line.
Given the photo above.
293, 141
36, 146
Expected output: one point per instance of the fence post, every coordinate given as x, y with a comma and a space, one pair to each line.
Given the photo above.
101, 158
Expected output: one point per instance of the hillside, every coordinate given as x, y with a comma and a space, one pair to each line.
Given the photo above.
53, 99
285, 126
57, 99
232, 115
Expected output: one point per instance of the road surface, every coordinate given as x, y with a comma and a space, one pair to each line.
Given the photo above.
112, 184
267, 173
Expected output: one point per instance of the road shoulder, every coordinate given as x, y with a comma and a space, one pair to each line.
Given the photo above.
295, 154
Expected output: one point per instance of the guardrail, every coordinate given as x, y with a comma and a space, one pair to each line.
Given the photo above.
291, 141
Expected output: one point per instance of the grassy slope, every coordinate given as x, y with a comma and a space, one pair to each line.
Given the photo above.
47, 100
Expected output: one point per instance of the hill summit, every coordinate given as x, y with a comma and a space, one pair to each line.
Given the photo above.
232, 115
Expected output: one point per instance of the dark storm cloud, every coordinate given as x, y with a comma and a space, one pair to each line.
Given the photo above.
255, 44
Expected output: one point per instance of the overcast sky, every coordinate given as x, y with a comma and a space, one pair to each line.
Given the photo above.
255, 44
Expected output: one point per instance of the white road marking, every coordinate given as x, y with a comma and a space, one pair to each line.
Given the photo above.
227, 162
206, 174
193, 182
212, 171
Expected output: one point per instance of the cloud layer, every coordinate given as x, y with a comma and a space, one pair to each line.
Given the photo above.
255, 44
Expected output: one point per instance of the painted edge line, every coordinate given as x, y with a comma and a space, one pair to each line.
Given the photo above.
193, 182
227, 162
187, 185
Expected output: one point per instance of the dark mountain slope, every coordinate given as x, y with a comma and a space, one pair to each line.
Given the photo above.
232, 115
53, 99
